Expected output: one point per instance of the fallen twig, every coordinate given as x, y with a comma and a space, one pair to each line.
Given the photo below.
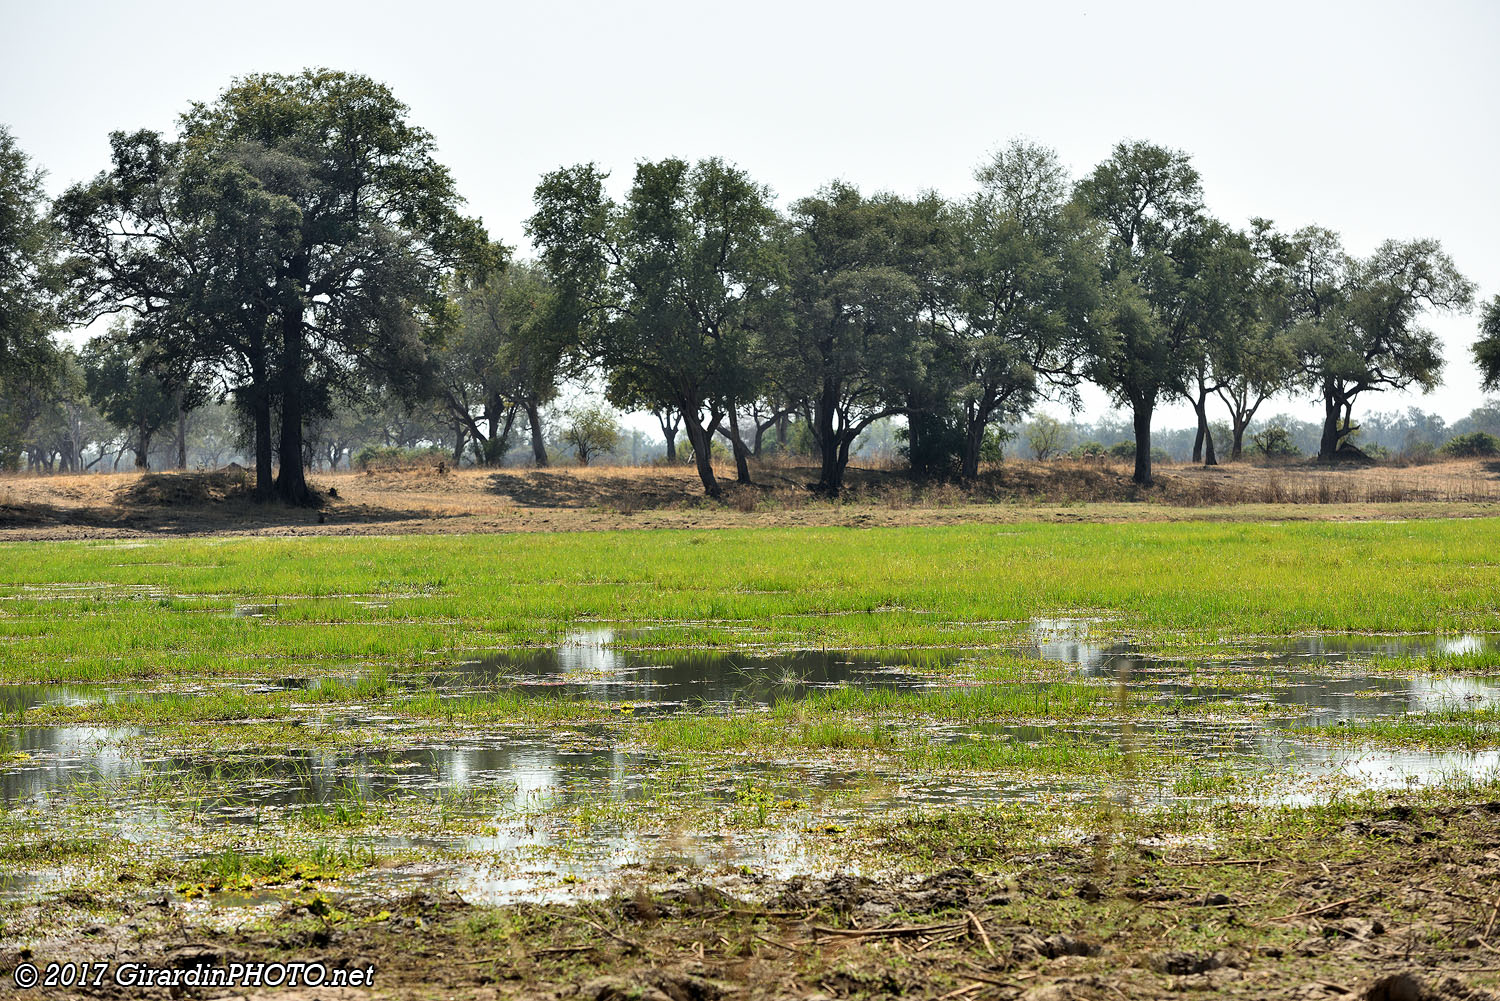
888, 932
1325, 907
779, 945
632, 943
984, 936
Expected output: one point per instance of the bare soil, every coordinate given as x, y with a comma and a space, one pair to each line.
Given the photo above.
439, 500
1400, 905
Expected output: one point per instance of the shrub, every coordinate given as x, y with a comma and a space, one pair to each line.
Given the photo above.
1475, 443
373, 457
1047, 436
591, 431
1275, 442
1123, 450
939, 451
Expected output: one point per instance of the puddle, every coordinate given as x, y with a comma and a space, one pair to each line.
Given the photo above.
587, 664
536, 814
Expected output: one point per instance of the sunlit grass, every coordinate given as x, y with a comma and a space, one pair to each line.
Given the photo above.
80, 611
1461, 729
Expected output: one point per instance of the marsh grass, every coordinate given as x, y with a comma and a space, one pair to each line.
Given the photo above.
167, 609
1449, 729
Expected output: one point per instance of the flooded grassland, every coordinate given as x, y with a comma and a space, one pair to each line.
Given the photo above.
548, 749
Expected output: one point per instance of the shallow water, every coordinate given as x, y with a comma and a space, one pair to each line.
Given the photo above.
523, 781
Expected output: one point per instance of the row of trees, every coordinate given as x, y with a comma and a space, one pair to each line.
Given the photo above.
297, 247
699, 299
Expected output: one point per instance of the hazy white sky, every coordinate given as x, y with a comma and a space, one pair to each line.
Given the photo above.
1375, 119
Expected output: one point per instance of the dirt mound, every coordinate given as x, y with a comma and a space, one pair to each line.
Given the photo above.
187, 489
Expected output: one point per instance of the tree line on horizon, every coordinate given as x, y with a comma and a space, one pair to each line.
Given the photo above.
296, 252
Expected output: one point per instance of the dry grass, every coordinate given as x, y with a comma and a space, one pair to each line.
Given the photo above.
427, 499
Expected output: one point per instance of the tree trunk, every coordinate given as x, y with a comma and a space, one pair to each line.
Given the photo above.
974, 441
538, 446
741, 455
143, 449
830, 477
1237, 443
665, 417
1209, 459
1141, 412
702, 442
291, 481
181, 433
669, 432
1201, 411
1329, 444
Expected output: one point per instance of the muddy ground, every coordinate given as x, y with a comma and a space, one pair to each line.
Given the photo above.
1398, 905
439, 500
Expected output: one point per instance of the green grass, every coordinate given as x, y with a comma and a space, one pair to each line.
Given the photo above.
81, 611
1451, 729
782, 734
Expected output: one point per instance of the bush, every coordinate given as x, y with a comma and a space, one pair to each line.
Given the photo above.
1275, 442
1471, 445
1047, 436
939, 452
592, 432
1123, 450
390, 457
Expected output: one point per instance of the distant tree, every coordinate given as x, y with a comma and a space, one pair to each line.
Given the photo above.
1047, 436
1475, 443
504, 360
1225, 318
123, 383
664, 289
591, 432
1150, 203
1487, 348
1257, 361
851, 349
1275, 442
1358, 323
1026, 280
29, 279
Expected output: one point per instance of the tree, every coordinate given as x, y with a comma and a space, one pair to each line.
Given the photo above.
1487, 348
29, 278
1224, 308
591, 431
1358, 322
368, 230
1150, 203
1257, 362
505, 359
849, 351
124, 384
178, 248
296, 237
1047, 436
667, 285
1026, 280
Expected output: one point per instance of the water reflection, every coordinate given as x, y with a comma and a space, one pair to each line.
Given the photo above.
516, 777
588, 663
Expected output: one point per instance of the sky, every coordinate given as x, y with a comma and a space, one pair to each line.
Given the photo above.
1378, 120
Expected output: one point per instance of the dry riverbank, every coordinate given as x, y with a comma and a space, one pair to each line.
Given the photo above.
430, 500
